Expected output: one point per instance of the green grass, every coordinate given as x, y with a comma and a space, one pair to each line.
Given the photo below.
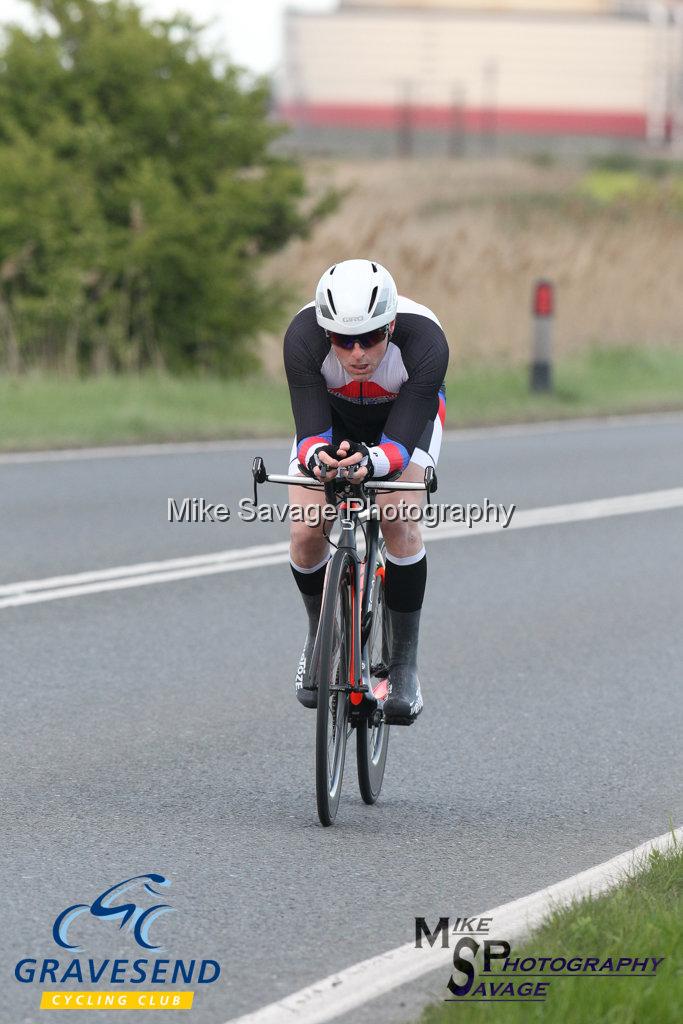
640, 918
38, 411
599, 381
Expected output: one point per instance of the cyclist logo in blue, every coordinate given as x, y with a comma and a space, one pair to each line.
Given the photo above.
139, 919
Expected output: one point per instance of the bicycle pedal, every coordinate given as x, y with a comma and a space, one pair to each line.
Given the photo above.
403, 720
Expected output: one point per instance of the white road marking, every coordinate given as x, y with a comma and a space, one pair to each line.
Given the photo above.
550, 515
124, 577
126, 582
133, 451
125, 451
353, 987
142, 568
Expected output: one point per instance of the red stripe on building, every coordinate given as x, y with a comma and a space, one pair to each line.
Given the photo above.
523, 121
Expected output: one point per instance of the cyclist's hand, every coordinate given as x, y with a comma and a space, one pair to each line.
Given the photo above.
322, 464
353, 454
328, 474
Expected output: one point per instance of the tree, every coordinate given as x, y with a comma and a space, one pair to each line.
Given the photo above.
138, 194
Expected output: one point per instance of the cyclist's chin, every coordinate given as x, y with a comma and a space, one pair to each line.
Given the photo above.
360, 375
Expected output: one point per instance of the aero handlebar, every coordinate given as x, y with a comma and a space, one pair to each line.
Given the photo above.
260, 476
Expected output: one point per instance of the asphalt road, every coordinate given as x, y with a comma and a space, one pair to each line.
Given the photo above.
155, 729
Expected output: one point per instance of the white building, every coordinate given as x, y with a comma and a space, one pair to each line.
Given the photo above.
552, 68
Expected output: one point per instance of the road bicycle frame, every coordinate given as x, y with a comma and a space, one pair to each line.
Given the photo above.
349, 519
346, 701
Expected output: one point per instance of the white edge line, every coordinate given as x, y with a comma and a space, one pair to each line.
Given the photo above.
555, 515
13, 595
132, 451
128, 582
142, 568
340, 993
124, 451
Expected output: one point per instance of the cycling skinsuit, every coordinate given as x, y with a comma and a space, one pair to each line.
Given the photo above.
400, 411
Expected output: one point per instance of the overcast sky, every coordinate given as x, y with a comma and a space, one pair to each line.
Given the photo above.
249, 30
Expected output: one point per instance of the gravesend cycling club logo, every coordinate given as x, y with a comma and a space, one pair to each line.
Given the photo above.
133, 907
138, 919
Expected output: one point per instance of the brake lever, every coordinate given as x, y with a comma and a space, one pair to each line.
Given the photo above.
430, 482
258, 471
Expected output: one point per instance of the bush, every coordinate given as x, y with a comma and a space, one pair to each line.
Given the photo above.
137, 195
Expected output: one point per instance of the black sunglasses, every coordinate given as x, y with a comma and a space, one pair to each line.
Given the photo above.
367, 340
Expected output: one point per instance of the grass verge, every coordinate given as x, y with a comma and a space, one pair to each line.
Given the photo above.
41, 411
640, 918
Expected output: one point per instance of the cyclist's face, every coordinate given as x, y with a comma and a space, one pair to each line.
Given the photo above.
360, 363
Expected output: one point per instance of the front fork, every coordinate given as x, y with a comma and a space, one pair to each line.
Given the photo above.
361, 592
355, 677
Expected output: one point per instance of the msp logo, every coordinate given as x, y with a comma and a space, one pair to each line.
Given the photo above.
139, 919
506, 979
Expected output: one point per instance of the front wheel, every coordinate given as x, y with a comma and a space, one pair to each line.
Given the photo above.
372, 733
332, 675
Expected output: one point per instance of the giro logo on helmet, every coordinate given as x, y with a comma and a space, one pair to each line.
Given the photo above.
351, 319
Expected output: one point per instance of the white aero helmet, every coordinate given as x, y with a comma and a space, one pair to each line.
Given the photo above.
354, 297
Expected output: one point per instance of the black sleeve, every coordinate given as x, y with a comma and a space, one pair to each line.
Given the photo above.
304, 352
425, 357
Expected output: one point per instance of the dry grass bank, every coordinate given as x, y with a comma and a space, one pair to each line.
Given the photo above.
468, 238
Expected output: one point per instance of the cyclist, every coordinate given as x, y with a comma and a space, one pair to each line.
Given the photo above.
366, 371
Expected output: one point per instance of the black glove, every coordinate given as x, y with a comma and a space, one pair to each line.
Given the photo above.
315, 463
366, 461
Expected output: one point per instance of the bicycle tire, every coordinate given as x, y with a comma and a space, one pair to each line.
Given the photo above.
335, 632
372, 737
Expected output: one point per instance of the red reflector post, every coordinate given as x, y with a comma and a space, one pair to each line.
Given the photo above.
544, 299
543, 322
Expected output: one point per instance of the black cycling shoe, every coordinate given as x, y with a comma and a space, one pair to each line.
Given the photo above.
404, 702
304, 694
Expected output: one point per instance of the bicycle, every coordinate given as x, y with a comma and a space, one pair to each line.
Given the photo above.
352, 644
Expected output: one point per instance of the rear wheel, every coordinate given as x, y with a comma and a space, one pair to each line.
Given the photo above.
335, 632
372, 733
